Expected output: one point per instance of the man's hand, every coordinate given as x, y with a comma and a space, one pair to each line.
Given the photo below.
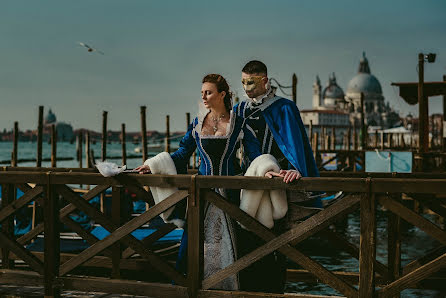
144, 169
288, 175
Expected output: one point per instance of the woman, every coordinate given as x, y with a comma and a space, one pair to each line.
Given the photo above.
216, 133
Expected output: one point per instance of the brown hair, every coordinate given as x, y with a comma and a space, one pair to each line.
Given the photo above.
221, 85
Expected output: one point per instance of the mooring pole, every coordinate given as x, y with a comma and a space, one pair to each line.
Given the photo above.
53, 146
15, 144
104, 136
143, 133
39, 137
123, 147
167, 140
294, 88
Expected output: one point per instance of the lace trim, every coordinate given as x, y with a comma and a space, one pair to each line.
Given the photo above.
229, 127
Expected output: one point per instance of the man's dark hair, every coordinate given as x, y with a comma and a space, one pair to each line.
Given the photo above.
255, 67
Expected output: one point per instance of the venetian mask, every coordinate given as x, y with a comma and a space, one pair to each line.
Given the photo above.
251, 83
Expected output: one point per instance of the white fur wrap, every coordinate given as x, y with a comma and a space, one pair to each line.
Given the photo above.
164, 165
264, 205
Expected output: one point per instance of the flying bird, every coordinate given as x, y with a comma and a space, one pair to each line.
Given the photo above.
90, 49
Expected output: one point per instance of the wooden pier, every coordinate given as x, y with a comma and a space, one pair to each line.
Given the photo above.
120, 252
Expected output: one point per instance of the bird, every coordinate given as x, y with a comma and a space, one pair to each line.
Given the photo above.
90, 49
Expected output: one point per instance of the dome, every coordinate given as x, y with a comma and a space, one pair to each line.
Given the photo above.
50, 117
333, 90
364, 82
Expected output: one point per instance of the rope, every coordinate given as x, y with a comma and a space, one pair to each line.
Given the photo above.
281, 87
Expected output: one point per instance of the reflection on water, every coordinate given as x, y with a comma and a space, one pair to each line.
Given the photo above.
415, 243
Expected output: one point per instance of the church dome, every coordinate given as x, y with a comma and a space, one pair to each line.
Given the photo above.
50, 117
364, 81
333, 90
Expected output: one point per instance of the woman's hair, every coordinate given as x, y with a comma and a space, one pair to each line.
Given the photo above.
222, 85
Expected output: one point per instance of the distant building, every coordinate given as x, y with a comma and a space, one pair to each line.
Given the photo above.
333, 107
64, 130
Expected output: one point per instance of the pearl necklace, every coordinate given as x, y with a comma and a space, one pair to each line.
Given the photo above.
216, 121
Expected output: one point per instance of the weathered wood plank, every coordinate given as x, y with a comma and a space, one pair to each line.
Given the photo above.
195, 246
117, 286
394, 243
149, 240
22, 201
413, 277
413, 218
307, 184
431, 255
134, 186
243, 294
77, 228
123, 232
8, 198
117, 196
308, 227
367, 245
21, 252
51, 241
351, 249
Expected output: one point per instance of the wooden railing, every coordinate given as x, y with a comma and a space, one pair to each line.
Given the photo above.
58, 271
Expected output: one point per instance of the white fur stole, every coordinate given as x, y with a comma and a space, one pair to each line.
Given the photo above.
164, 165
264, 205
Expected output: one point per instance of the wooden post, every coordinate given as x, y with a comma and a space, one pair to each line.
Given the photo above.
323, 132
80, 140
402, 142
382, 140
51, 241
104, 136
53, 146
310, 131
355, 137
187, 127
363, 128
423, 114
39, 138
315, 146
389, 140
117, 218
195, 246
143, 133
333, 138
444, 119
375, 142
7, 227
87, 150
394, 243
123, 145
349, 133
294, 88
367, 243
15, 144
167, 139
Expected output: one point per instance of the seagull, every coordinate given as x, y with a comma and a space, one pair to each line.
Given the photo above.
90, 49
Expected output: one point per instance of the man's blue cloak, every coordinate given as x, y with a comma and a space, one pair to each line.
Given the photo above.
283, 119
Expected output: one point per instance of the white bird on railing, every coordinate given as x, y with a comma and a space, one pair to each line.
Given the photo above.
90, 49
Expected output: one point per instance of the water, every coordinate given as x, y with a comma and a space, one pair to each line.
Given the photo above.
415, 242
28, 150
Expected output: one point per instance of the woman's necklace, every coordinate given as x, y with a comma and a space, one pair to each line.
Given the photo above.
216, 120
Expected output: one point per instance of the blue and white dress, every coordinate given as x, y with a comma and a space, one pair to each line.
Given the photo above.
217, 157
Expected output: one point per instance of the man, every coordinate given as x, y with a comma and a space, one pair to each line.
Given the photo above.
277, 124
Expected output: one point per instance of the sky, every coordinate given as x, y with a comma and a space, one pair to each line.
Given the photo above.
157, 52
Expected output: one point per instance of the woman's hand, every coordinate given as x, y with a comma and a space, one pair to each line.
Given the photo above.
144, 169
288, 175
